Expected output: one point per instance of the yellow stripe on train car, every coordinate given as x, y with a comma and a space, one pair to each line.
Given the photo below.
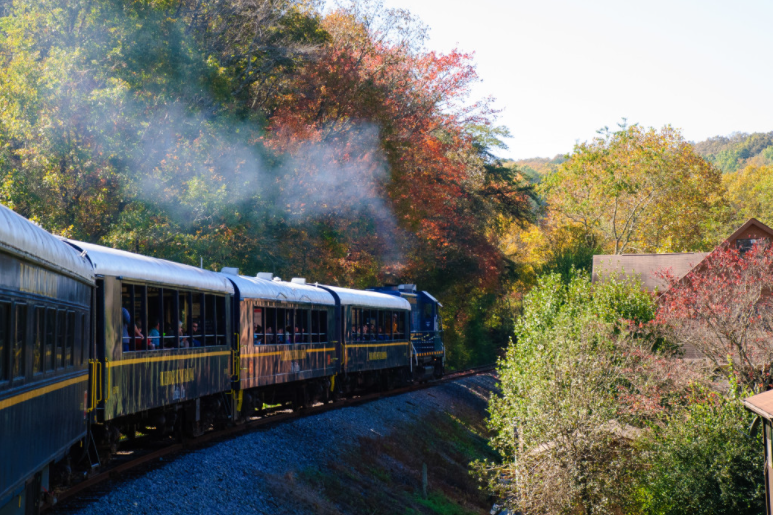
32, 394
157, 359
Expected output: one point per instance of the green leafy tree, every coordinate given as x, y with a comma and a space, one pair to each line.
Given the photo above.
703, 460
640, 189
560, 425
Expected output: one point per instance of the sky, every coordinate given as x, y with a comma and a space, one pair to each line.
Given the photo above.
561, 70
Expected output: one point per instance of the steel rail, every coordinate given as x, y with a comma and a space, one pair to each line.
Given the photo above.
212, 436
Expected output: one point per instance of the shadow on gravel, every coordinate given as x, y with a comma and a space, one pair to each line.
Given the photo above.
383, 474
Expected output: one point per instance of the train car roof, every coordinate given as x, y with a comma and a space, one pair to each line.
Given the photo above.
120, 263
369, 299
257, 288
22, 238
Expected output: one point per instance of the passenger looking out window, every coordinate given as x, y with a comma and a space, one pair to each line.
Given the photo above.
154, 334
195, 341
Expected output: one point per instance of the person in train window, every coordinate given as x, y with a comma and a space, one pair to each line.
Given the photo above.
289, 333
127, 319
184, 343
365, 333
269, 335
154, 335
194, 341
280, 335
381, 335
258, 334
298, 335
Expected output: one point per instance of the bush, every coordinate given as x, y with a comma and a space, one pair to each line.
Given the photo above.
703, 461
560, 426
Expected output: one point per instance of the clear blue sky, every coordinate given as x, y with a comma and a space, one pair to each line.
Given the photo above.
562, 69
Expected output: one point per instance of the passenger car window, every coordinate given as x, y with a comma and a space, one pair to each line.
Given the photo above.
20, 341
38, 332
84, 338
49, 363
60, 333
70, 343
5, 330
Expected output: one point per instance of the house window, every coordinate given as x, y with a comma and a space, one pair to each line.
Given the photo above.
746, 244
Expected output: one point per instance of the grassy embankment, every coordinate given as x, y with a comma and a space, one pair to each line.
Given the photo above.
383, 474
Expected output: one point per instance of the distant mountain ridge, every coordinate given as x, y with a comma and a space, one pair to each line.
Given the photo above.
740, 149
728, 153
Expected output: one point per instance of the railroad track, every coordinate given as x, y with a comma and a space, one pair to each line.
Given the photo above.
171, 447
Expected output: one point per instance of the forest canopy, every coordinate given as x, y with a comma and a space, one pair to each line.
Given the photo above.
269, 136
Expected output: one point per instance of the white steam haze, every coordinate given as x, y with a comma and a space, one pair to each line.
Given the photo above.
188, 157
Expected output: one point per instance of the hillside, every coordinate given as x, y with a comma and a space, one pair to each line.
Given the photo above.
537, 167
738, 150
729, 153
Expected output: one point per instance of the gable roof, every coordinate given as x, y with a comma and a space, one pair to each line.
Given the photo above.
749, 226
645, 267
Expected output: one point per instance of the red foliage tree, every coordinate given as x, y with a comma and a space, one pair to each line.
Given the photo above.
445, 201
724, 309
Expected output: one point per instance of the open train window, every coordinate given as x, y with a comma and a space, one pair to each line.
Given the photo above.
322, 326
197, 327
400, 335
5, 331
70, 342
184, 324
258, 327
269, 323
169, 320
155, 318
49, 342
60, 333
302, 326
209, 320
38, 333
85, 341
20, 342
221, 321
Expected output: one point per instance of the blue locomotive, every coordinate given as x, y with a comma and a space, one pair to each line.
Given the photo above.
97, 344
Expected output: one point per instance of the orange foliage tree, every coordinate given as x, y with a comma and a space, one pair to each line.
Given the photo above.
403, 149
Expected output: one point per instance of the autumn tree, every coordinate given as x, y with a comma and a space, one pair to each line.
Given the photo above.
432, 201
575, 384
642, 190
724, 309
750, 194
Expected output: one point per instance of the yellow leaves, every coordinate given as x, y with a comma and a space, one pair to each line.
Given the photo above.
642, 190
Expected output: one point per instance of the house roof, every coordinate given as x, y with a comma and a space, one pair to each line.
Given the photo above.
645, 267
751, 224
761, 404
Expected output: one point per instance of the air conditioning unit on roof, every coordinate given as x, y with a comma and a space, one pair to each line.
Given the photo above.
265, 275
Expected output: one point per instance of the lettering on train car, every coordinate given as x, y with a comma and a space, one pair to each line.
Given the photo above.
292, 355
179, 376
37, 280
376, 356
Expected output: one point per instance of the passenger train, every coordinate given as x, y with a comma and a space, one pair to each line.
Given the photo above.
99, 344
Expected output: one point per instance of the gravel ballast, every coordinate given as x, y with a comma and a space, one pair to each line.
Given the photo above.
225, 478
